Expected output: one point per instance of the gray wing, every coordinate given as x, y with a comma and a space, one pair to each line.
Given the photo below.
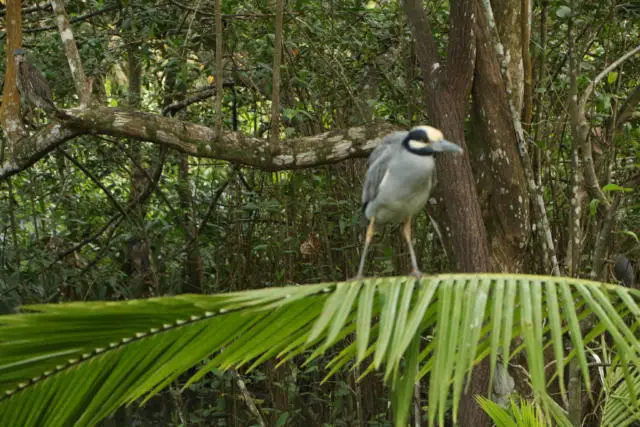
388, 141
378, 163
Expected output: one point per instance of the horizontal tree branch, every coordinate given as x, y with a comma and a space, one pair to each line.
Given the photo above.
198, 140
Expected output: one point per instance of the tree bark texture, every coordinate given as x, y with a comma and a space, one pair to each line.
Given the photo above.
509, 18
490, 31
498, 169
446, 94
445, 97
10, 109
199, 141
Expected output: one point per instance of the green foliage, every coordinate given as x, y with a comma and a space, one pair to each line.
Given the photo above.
344, 63
520, 413
76, 363
620, 405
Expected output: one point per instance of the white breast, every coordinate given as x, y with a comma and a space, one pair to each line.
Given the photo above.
404, 189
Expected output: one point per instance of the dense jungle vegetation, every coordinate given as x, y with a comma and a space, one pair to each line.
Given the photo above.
209, 147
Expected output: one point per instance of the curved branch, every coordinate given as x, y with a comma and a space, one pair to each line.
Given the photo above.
581, 126
199, 141
589, 90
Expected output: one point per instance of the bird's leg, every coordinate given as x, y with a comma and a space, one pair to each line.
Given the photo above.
406, 232
367, 241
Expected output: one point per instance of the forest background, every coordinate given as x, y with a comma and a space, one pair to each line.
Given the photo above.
258, 183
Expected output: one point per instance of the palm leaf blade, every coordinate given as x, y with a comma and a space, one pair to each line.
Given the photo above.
77, 362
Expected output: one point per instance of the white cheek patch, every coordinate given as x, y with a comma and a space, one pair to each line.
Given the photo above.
417, 145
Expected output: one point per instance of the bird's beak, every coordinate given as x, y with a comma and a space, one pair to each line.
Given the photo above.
444, 145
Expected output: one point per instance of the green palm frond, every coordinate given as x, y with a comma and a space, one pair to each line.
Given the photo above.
520, 413
619, 407
74, 364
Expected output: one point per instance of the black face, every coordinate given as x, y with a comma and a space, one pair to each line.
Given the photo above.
418, 134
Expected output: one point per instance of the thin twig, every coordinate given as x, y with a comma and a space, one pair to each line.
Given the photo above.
97, 182
203, 94
117, 217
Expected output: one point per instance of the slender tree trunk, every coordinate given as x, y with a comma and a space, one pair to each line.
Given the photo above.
445, 99
193, 268
219, 67
10, 115
274, 134
145, 280
10, 109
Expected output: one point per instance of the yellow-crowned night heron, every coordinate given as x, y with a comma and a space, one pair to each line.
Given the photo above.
399, 180
32, 84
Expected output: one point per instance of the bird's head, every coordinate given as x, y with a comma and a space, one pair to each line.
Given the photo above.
427, 140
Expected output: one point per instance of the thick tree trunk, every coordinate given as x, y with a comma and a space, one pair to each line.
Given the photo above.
464, 230
498, 169
446, 96
508, 15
